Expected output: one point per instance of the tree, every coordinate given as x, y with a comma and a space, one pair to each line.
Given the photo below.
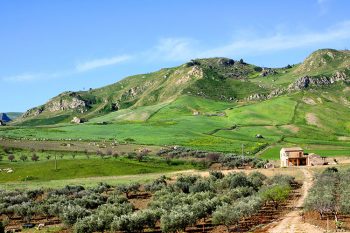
213, 157
109, 152
1, 157
48, 157
276, 194
131, 155
23, 158
216, 174
2, 228
35, 157
127, 189
115, 155
11, 158
140, 156
227, 216
71, 213
177, 219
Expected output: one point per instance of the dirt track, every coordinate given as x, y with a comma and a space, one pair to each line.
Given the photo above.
293, 222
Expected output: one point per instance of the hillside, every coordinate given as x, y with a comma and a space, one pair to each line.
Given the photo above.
213, 104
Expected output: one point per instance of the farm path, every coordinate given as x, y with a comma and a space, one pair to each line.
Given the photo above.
293, 222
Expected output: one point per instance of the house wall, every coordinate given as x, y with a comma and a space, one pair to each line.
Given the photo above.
284, 159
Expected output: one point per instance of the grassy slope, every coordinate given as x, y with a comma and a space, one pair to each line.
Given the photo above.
171, 121
280, 120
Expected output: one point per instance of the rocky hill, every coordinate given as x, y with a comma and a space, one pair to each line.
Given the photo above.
219, 79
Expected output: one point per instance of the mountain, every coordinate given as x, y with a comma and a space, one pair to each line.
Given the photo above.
4, 118
14, 115
219, 79
214, 104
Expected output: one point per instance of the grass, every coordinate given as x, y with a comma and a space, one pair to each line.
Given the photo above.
280, 120
81, 167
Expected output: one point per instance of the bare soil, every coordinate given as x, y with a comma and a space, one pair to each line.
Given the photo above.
294, 221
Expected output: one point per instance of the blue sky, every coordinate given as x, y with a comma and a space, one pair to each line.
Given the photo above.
47, 47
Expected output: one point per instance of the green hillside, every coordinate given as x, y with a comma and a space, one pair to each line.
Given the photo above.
213, 104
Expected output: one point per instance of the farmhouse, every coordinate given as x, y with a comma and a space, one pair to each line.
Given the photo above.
293, 156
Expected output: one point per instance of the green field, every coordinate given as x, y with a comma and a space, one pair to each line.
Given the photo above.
201, 105
216, 126
90, 168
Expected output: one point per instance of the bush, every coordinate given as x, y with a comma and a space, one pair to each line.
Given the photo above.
216, 174
177, 219
72, 213
135, 222
11, 158
35, 157
226, 215
127, 189
276, 194
23, 158
201, 185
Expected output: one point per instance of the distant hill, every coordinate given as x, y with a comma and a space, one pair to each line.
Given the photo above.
219, 79
213, 104
14, 115
4, 117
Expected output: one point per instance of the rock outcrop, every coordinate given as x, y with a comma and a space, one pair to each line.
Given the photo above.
67, 104
268, 71
300, 84
309, 81
77, 120
64, 102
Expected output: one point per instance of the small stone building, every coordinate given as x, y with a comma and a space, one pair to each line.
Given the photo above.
293, 156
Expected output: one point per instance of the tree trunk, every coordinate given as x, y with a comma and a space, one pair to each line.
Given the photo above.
203, 224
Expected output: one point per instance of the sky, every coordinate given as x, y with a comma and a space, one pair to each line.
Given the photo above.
47, 47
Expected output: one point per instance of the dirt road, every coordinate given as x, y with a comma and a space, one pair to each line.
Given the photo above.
292, 222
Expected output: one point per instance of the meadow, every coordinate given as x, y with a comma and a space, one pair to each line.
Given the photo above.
76, 167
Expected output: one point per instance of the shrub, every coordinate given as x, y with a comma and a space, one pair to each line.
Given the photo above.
276, 194
11, 158
135, 222
216, 174
127, 189
23, 158
35, 157
226, 215
201, 185
71, 213
177, 219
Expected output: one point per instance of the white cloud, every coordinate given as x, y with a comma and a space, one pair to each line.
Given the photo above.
173, 49
177, 49
23, 77
184, 49
97, 63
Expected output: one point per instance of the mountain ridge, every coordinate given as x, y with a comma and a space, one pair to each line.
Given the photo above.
220, 79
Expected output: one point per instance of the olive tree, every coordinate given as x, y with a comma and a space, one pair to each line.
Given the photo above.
276, 194
72, 213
